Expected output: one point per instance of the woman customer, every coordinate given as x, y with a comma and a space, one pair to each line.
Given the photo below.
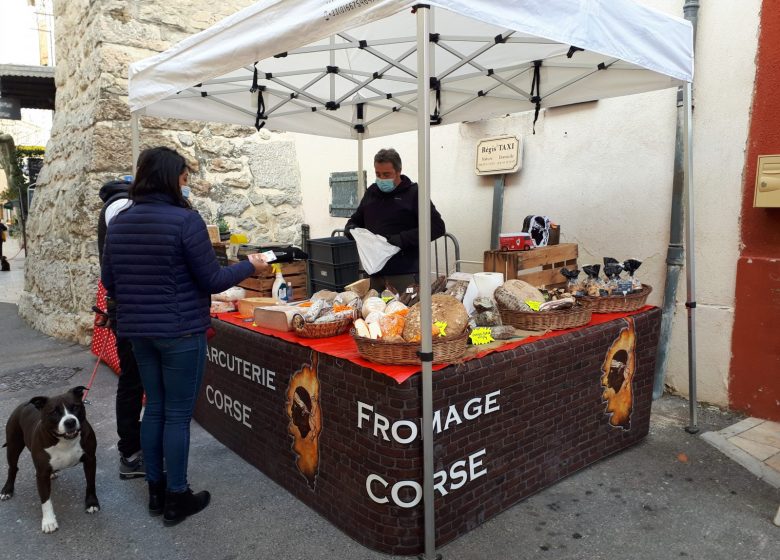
159, 270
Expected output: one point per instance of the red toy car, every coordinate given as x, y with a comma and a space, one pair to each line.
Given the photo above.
515, 241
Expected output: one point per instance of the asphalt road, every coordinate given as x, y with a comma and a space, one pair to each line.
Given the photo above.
672, 496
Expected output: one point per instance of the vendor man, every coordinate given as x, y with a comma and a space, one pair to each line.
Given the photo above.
389, 208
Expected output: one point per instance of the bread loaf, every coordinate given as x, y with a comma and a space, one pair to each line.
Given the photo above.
513, 294
444, 308
373, 304
394, 307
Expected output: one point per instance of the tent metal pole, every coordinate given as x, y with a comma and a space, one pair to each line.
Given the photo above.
690, 259
360, 179
424, 212
134, 139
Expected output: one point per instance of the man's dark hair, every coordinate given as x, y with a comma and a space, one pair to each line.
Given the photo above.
389, 155
158, 172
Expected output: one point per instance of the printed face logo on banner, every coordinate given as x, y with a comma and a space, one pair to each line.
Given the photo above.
303, 410
618, 377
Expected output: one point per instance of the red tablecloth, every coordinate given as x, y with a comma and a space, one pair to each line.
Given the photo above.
344, 347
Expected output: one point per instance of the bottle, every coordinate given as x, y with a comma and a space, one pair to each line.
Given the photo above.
279, 290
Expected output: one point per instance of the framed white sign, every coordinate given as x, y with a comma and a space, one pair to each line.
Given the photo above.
499, 155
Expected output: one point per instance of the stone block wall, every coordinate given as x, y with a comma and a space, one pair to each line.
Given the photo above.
252, 178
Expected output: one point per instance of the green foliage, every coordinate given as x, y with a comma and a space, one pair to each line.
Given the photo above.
222, 224
30, 151
18, 180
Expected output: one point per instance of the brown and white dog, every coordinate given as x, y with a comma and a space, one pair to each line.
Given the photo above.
56, 431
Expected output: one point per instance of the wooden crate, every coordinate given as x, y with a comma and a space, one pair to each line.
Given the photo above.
294, 274
521, 264
213, 233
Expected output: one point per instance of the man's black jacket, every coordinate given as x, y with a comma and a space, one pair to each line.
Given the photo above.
109, 193
394, 216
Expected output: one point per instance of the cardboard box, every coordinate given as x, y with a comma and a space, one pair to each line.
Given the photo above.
246, 306
276, 317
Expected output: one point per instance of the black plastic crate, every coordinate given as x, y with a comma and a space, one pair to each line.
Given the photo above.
332, 250
317, 286
337, 274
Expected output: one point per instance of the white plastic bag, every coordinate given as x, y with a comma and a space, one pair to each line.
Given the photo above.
374, 250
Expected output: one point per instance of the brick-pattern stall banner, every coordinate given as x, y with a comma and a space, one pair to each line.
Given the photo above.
346, 440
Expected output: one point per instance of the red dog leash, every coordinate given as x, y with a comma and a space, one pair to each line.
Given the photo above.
99, 323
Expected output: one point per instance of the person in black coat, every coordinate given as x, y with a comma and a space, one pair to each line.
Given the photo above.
129, 390
389, 208
3, 234
159, 270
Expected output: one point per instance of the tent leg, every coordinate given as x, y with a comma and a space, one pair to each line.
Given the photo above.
424, 211
690, 259
361, 183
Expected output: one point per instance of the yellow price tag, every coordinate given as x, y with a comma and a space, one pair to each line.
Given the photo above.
534, 305
388, 299
442, 326
481, 335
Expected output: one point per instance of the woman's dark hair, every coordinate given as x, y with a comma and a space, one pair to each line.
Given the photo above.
158, 171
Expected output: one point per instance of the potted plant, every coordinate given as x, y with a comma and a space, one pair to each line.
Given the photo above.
224, 229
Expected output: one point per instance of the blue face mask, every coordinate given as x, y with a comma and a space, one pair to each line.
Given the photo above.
385, 185
185, 191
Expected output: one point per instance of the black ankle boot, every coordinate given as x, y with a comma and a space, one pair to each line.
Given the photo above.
180, 505
156, 497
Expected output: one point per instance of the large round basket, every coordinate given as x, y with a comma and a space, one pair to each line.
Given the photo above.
618, 304
445, 350
555, 319
320, 330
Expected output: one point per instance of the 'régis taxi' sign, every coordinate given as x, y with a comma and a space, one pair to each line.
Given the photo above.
498, 155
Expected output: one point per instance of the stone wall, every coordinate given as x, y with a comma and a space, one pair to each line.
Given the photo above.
251, 178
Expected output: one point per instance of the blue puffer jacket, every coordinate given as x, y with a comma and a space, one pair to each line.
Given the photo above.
160, 267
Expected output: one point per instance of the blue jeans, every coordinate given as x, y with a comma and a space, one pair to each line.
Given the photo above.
171, 371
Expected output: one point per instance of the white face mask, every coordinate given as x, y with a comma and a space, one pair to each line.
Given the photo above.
185, 191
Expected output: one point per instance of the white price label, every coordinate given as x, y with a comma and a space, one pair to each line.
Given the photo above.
268, 256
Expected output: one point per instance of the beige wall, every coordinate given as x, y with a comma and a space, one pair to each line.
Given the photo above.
603, 171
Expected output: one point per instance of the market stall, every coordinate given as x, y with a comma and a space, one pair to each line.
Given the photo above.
344, 438
354, 69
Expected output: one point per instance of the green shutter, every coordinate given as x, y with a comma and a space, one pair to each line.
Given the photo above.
344, 197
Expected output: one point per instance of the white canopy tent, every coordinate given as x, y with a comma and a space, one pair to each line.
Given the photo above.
368, 68
317, 60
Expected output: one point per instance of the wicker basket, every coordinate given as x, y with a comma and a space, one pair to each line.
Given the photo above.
617, 304
555, 319
320, 330
445, 350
